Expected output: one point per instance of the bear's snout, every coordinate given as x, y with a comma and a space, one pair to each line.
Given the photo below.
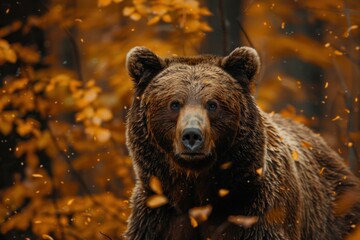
192, 139
192, 146
192, 131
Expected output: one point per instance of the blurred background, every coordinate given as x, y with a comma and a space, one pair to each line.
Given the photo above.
64, 92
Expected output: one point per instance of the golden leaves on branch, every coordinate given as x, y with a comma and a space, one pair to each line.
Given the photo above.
7, 54
104, 3
185, 15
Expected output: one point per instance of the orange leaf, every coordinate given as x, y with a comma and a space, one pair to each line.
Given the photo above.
223, 192
244, 221
193, 222
155, 185
225, 165
202, 213
46, 237
336, 118
259, 171
156, 201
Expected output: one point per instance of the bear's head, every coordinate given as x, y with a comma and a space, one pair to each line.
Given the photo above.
195, 108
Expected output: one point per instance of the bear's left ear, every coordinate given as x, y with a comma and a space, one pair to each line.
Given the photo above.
143, 65
243, 64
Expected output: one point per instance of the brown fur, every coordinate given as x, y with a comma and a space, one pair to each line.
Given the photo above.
290, 199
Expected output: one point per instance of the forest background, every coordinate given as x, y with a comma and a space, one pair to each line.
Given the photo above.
65, 172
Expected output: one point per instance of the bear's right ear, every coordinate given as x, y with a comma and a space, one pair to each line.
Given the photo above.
142, 65
243, 64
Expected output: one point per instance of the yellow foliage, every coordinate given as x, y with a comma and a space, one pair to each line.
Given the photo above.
69, 121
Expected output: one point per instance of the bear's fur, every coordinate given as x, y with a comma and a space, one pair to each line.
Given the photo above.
261, 176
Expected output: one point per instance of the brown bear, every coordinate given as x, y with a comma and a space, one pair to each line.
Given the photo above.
227, 169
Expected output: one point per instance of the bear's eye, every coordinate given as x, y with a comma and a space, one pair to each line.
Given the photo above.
211, 106
175, 105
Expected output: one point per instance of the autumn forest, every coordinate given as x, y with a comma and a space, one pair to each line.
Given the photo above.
65, 171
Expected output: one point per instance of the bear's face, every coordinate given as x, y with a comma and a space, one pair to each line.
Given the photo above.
193, 106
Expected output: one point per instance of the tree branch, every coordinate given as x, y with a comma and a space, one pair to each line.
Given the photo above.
223, 26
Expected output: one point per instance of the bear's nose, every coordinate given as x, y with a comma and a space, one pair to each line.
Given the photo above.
192, 139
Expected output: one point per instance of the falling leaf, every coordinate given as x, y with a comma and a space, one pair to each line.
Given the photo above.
326, 85
193, 222
259, 171
223, 192
46, 237
156, 201
295, 155
70, 201
155, 185
347, 32
202, 213
225, 165
336, 118
282, 25
243, 221
337, 52
327, 45
37, 175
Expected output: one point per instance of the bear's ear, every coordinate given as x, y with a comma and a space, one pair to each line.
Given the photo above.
243, 64
142, 64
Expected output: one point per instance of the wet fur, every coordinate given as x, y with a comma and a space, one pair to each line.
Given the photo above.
301, 193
